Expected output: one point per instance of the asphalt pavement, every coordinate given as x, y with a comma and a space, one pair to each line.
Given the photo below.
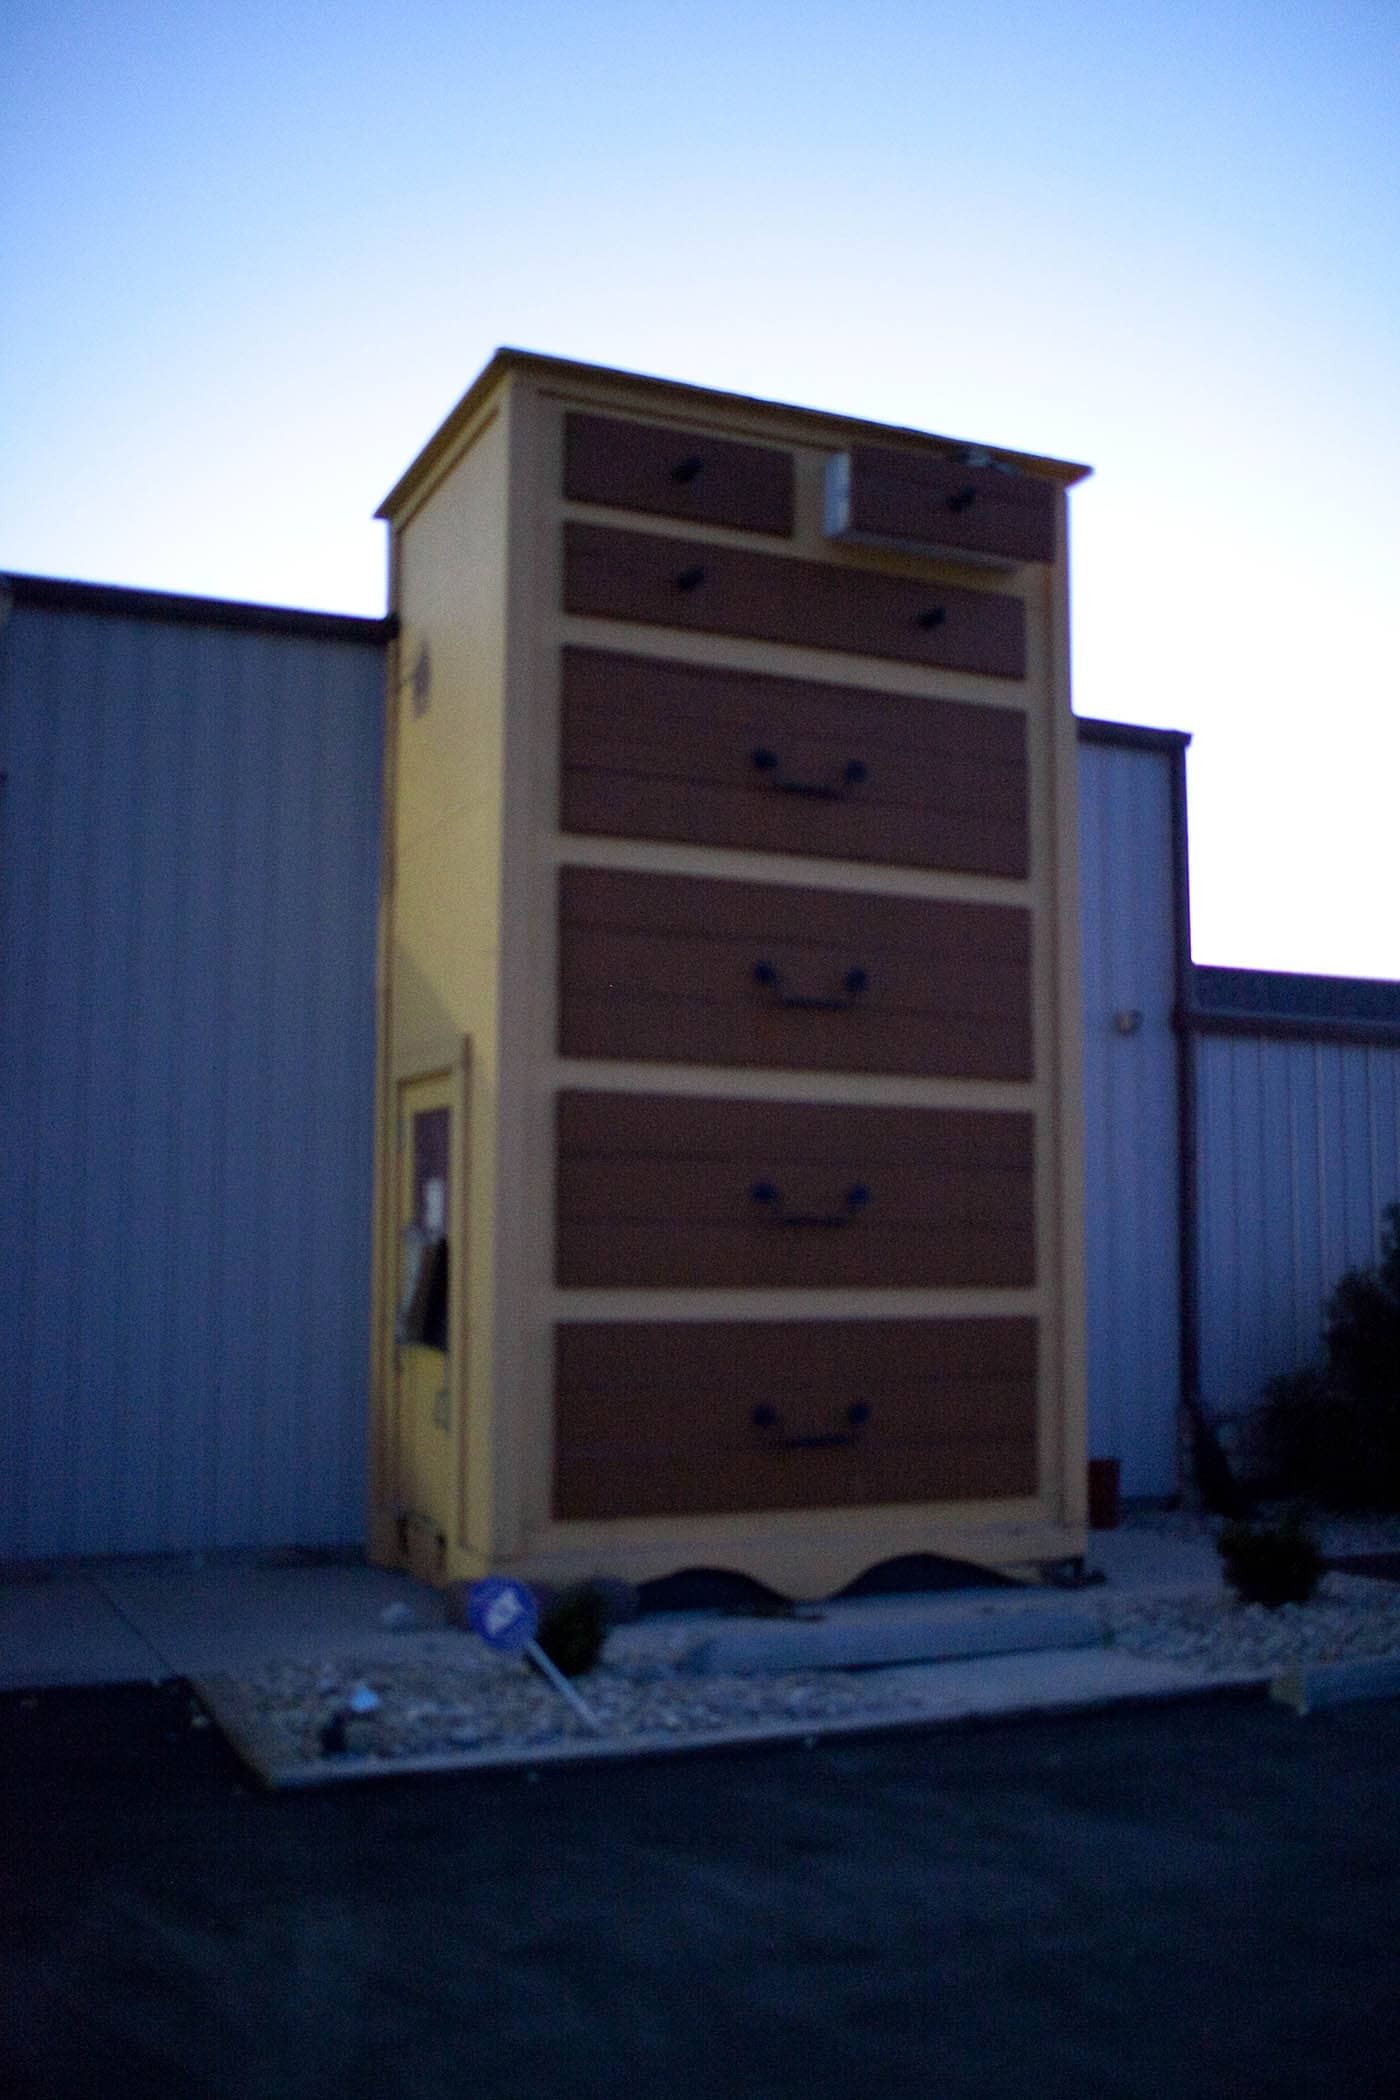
1195, 1899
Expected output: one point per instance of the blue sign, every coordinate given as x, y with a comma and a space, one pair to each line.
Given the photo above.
504, 1613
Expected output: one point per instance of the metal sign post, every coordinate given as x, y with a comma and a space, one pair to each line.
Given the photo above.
506, 1616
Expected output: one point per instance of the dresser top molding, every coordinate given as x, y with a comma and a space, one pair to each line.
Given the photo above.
675, 397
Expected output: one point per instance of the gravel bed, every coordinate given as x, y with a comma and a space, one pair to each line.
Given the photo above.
1349, 1616
445, 1696
443, 1705
1213, 1633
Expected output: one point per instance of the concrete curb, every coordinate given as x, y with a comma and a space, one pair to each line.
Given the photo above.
1155, 1685
924, 1633
1314, 1689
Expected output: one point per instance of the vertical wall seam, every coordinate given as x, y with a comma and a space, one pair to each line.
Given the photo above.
32, 1005
88, 705
227, 702
125, 1384
1372, 1155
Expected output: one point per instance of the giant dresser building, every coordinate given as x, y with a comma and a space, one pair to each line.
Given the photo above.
675, 1047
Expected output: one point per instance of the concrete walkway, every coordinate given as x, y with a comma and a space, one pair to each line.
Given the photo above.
115, 1622
951, 1655
123, 1621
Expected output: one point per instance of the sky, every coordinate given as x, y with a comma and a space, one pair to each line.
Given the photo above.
252, 254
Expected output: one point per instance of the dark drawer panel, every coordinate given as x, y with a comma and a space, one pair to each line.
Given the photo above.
693, 584
687, 1418
919, 501
677, 473
681, 968
664, 750
668, 1190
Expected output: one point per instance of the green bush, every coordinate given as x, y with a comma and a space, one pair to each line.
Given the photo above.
1332, 1432
1363, 1325
573, 1628
1271, 1564
1312, 1438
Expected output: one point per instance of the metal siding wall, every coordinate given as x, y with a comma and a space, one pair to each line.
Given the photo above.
188, 869
1299, 1153
1131, 1114
190, 865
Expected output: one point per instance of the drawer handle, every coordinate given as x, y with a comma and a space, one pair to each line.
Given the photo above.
934, 617
691, 579
768, 1420
688, 469
767, 761
770, 979
963, 500
771, 1197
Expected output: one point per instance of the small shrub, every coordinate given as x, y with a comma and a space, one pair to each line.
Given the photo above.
1313, 1438
573, 1628
1363, 1324
1332, 1432
1273, 1564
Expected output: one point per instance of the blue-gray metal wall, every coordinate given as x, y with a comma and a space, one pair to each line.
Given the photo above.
189, 839
189, 870
1132, 1157
1299, 1150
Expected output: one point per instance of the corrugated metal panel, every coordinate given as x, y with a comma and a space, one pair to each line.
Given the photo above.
1131, 1112
1299, 1152
189, 867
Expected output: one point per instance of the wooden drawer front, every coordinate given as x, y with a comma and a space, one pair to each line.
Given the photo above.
659, 1420
916, 500
661, 1189
668, 582
681, 968
663, 750
677, 473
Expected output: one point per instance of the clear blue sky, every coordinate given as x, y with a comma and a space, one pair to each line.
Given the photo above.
253, 253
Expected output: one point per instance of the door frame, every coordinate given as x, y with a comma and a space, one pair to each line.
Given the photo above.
387, 1545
